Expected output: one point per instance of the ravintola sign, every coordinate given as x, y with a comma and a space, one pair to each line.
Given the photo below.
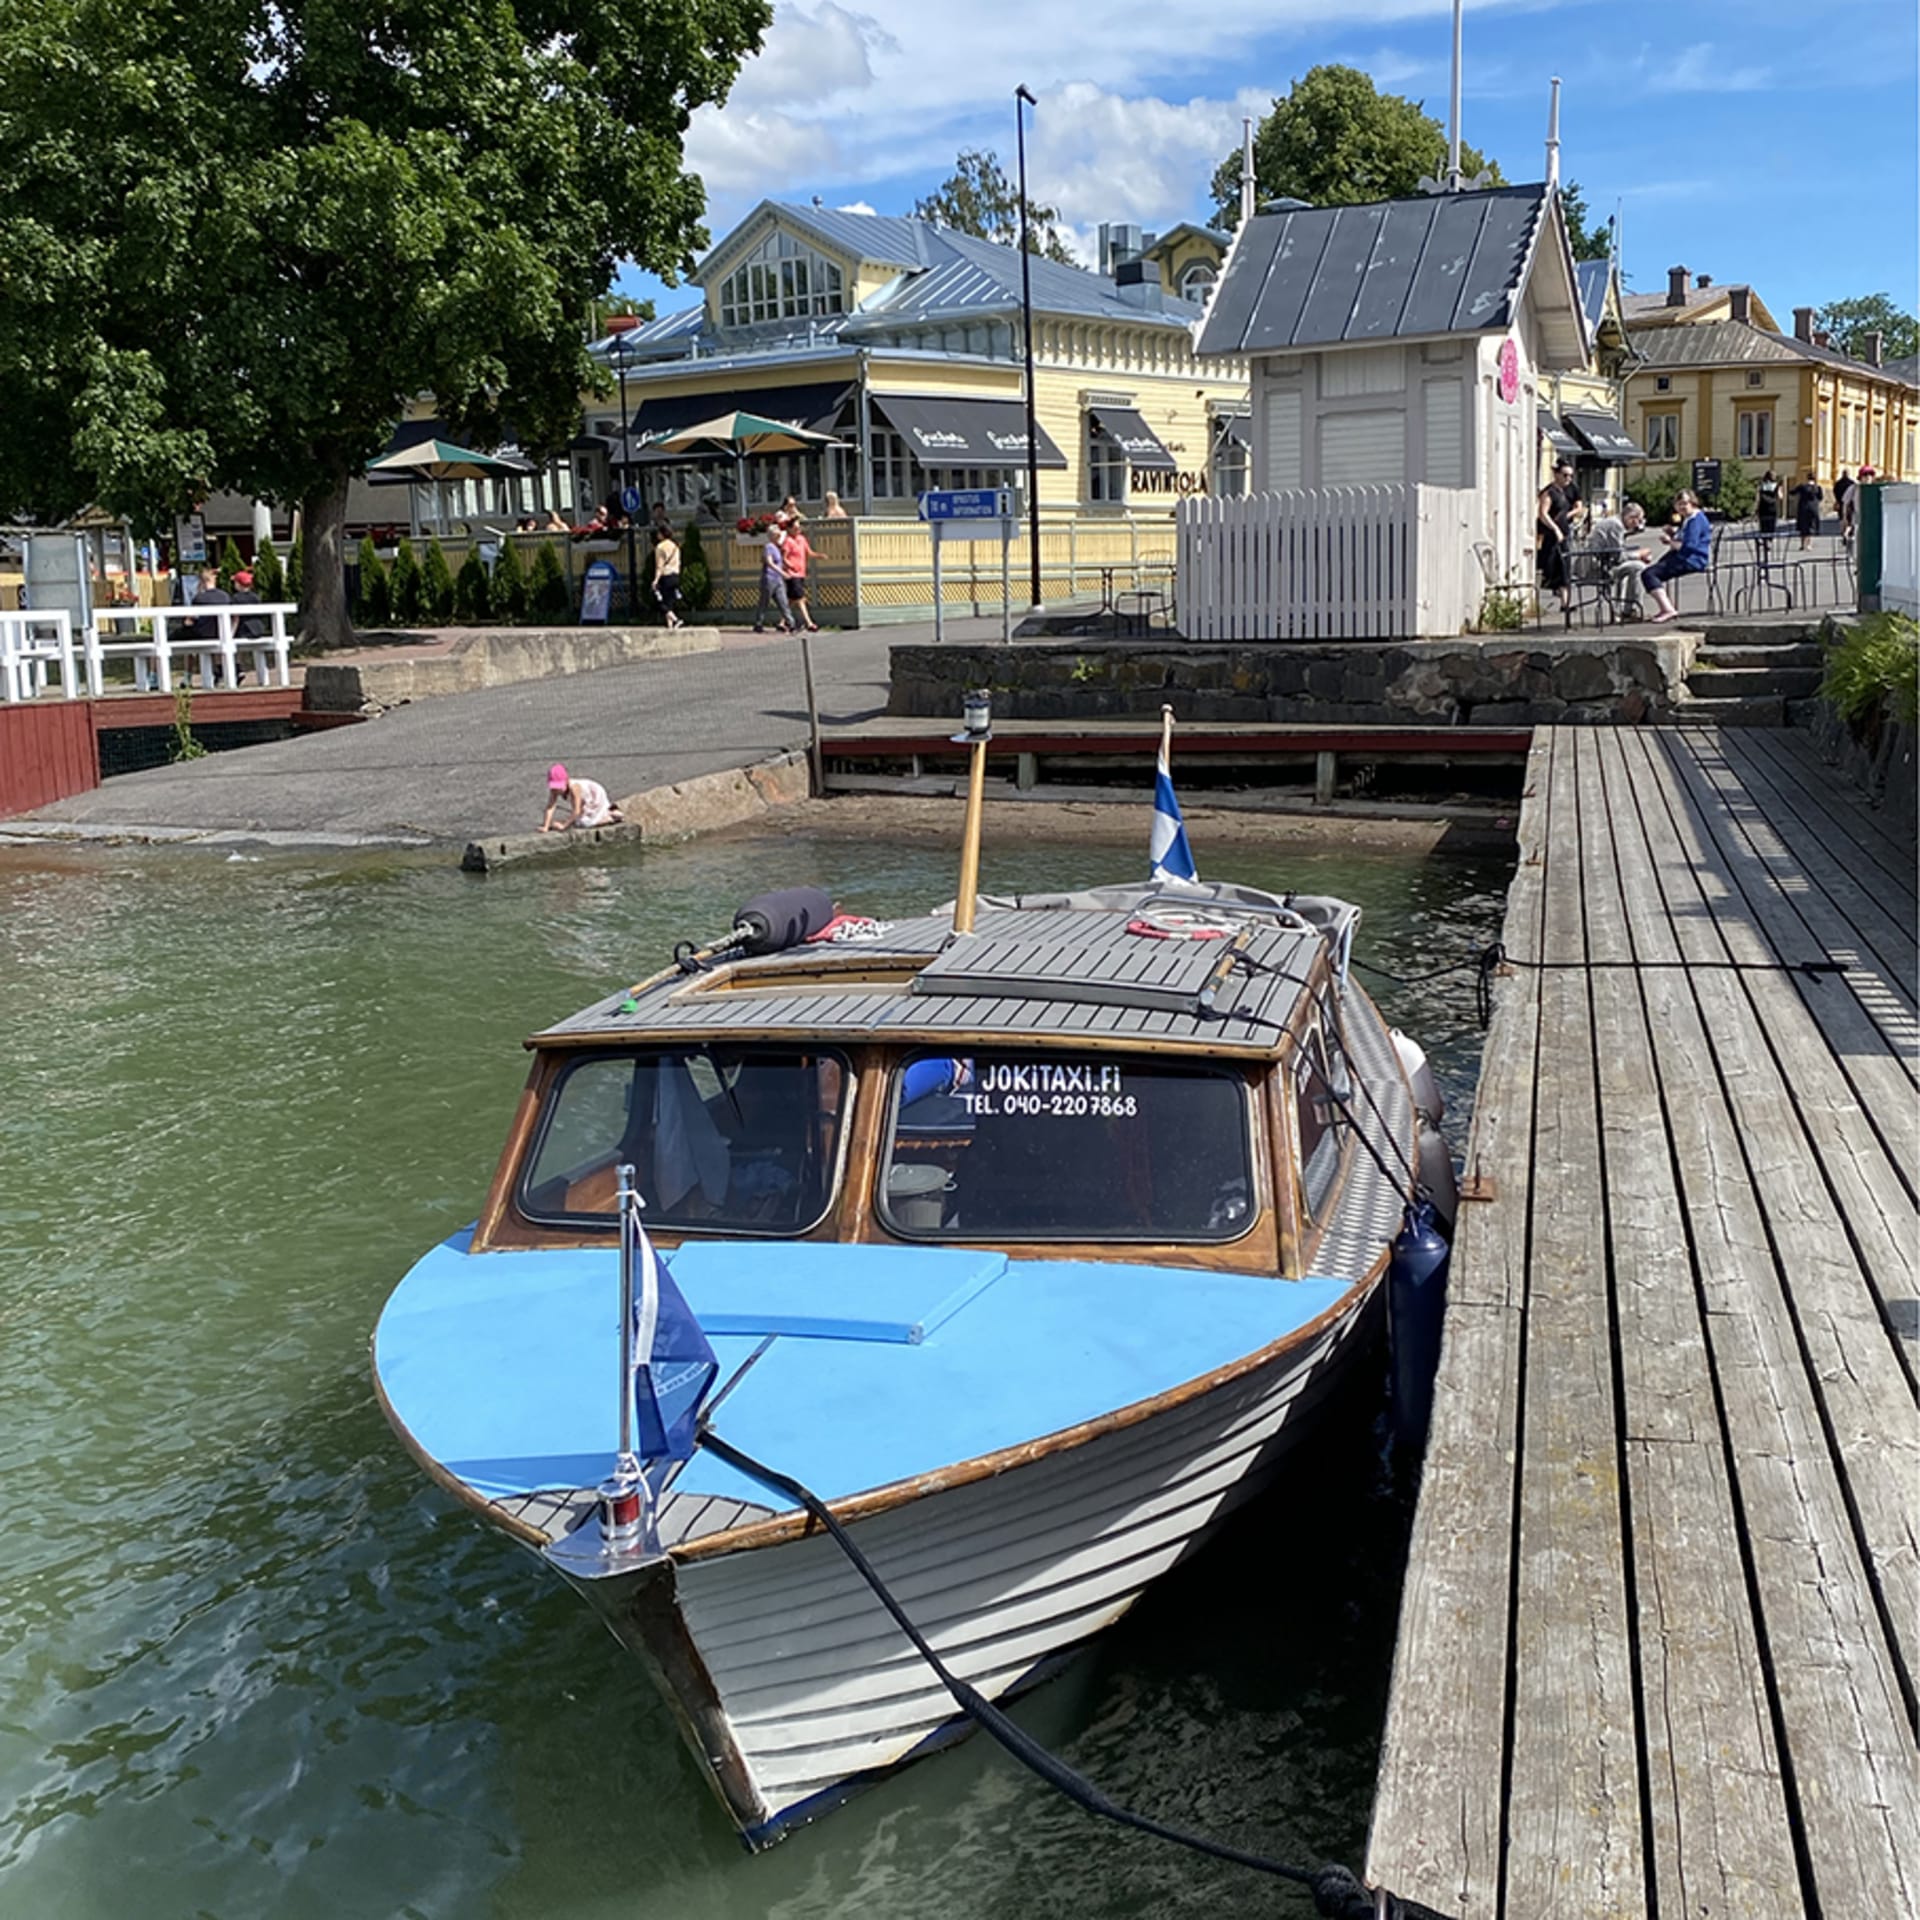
1160, 480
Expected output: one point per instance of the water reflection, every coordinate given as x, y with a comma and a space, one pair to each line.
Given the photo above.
251, 1651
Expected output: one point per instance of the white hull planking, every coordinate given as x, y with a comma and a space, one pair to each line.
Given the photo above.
817, 1683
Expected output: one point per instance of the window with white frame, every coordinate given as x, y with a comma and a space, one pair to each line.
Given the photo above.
1197, 282
1662, 436
1755, 434
1232, 465
889, 474
960, 479
1107, 466
1755, 377
782, 279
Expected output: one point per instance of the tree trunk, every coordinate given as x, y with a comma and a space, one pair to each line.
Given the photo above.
324, 617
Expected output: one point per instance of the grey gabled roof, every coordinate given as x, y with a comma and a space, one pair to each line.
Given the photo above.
1732, 343
1344, 276
1593, 276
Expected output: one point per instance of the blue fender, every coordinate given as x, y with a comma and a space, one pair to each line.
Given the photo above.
1416, 1311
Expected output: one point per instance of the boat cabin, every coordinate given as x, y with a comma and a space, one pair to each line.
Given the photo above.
1074, 1081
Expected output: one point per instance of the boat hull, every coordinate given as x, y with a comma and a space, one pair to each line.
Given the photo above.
793, 1686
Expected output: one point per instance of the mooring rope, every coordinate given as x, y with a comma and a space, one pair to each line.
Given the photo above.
1488, 961
1337, 1893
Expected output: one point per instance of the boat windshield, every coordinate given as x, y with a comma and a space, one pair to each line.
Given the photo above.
722, 1139
1058, 1146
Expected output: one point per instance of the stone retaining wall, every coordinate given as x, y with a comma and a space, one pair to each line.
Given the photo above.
1484, 682
493, 658
1879, 757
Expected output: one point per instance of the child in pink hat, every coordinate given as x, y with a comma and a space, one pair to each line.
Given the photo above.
586, 798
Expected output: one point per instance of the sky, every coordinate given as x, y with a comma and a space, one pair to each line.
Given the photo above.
1770, 145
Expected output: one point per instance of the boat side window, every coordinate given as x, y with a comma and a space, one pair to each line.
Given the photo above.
724, 1139
1317, 1118
1061, 1146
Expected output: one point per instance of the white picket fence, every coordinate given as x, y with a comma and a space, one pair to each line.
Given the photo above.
1327, 563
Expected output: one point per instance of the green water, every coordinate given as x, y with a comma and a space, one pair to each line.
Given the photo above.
251, 1664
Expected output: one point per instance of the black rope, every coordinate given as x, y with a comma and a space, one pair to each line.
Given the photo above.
1337, 1893
1487, 963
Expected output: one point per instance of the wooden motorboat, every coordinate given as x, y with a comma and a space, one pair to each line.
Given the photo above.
1028, 1236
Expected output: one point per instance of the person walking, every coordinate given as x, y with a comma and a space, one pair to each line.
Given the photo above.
1553, 527
773, 578
795, 552
1767, 501
1806, 509
666, 577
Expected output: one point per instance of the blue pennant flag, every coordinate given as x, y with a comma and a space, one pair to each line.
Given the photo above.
674, 1366
1171, 856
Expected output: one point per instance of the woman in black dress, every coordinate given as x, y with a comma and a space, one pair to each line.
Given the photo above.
1767, 503
1553, 528
1806, 509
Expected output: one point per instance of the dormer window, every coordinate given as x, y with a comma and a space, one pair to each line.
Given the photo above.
1196, 283
782, 279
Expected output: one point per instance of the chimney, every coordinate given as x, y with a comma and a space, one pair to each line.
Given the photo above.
622, 323
1704, 282
1139, 283
1119, 243
1679, 286
1553, 136
1803, 324
1740, 305
1822, 338
1249, 188
1876, 346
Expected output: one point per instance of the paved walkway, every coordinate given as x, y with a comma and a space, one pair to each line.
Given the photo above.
475, 764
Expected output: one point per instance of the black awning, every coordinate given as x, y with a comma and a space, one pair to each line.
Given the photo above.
1234, 426
1128, 430
1557, 437
964, 433
814, 404
1605, 438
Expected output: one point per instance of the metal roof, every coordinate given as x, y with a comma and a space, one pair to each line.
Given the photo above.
1344, 276
1732, 343
1026, 975
1594, 276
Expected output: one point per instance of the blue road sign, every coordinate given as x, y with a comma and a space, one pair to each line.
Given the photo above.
972, 503
630, 499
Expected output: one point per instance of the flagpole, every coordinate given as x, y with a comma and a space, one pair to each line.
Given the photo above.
622, 1493
1166, 738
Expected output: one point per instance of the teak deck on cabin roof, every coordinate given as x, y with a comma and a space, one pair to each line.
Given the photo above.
1659, 1634
1050, 975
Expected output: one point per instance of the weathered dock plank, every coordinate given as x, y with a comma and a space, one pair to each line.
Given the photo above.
1688, 1311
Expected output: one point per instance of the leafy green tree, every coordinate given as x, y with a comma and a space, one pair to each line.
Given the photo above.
436, 585
509, 584
1850, 321
1589, 242
1335, 139
979, 199
373, 604
1738, 490
696, 577
404, 584
269, 577
547, 584
472, 591
297, 567
230, 562
237, 234
1655, 491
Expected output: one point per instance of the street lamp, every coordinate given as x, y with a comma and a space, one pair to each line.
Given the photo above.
1026, 333
620, 350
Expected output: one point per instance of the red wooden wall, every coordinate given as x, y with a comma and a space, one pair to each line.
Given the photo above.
47, 751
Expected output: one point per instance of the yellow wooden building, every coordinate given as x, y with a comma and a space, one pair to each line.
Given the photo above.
1713, 377
902, 340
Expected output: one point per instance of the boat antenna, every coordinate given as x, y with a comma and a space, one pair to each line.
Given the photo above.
977, 713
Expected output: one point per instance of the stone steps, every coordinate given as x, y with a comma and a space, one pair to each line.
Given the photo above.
1728, 683
1736, 711
1804, 653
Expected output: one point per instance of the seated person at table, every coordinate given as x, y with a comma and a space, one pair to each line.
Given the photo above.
1633, 557
1690, 551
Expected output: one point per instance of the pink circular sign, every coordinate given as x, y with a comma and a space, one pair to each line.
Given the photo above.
1509, 372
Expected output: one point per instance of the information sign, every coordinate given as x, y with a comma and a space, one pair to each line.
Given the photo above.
971, 503
1706, 480
190, 540
596, 593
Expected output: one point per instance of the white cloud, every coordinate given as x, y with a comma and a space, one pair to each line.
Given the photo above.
757, 154
857, 206
1699, 69
813, 57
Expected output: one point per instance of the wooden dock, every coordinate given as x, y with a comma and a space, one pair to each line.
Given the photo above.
1658, 1641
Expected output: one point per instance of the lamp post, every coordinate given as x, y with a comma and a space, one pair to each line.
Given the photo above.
619, 351
1020, 94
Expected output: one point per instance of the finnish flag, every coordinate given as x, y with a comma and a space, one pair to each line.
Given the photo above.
1172, 857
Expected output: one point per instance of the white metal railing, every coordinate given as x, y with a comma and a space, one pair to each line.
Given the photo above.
1326, 563
29, 644
153, 653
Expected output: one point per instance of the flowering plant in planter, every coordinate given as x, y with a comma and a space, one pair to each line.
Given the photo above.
754, 523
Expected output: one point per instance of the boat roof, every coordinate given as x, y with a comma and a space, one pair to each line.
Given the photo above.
1046, 975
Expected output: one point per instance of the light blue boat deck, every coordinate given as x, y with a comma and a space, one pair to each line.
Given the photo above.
874, 1363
